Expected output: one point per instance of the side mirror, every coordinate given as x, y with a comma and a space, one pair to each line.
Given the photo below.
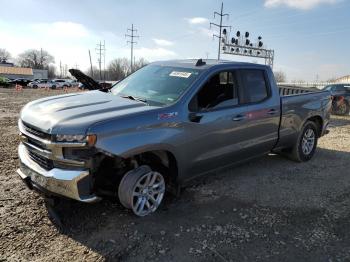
194, 117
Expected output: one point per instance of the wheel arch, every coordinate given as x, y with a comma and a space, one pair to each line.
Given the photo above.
318, 122
160, 157
153, 157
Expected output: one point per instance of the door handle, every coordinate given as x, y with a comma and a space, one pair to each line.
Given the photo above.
272, 112
238, 118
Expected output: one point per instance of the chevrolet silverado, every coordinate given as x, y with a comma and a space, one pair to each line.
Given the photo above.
163, 126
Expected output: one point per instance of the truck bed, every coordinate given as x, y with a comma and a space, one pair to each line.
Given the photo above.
298, 104
285, 90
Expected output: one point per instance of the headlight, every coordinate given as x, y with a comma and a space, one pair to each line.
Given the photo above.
89, 139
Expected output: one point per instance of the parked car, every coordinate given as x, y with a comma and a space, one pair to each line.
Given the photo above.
21, 81
41, 84
160, 128
39, 79
341, 98
60, 83
81, 86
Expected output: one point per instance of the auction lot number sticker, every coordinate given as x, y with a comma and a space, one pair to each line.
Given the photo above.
180, 74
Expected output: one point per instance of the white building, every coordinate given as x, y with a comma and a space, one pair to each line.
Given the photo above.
12, 72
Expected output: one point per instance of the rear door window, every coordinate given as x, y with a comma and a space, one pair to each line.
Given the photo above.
339, 88
255, 88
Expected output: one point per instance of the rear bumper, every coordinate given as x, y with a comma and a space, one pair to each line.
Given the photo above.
74, 184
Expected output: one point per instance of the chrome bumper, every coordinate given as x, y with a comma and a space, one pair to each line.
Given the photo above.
74, 184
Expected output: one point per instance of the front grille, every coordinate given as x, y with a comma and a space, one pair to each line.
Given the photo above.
34, 131
45, 163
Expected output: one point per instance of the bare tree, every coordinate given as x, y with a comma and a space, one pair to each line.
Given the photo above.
4, 55
118, 69
93, 73
140, 63
37, 59
280, 76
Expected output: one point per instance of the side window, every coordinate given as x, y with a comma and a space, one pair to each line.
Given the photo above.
255, 88
339, 88
221, 90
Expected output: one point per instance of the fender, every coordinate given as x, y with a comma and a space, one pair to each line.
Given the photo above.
126, 143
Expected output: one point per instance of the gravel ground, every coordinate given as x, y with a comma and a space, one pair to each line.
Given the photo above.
269, 209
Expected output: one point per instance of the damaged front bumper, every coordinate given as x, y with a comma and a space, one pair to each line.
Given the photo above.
74, 184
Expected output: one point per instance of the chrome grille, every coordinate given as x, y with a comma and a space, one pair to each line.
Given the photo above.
43, 162
36, 132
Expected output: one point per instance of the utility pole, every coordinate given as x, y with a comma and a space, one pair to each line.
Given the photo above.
92, 72
100, 52
60, 69
104, 61
220, 26
131, 42
41, 59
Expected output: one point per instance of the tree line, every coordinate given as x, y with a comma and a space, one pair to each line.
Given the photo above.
117, 69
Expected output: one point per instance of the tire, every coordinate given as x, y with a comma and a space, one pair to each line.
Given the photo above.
35, 86
343, 109
142, 190
304, 149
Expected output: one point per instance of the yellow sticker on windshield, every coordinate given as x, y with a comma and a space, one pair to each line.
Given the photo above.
180, 74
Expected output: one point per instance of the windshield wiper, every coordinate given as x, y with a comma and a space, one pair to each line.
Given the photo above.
135, 98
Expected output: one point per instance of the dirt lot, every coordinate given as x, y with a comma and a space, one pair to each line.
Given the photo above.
270, 209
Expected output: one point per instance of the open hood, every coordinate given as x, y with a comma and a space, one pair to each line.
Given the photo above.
87, 81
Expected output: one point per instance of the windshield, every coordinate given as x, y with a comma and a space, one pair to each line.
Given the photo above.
160, 85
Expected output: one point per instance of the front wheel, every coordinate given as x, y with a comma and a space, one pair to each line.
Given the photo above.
142, 190
306, 144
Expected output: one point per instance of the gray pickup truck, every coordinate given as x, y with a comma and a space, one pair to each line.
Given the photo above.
163, 126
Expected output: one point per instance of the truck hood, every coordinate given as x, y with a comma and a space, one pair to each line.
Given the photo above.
74, 113
87, 81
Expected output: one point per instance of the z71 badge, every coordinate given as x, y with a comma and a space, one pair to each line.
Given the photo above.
167, 115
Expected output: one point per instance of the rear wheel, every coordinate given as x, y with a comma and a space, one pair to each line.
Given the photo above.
142, 190
306, 144
343, 109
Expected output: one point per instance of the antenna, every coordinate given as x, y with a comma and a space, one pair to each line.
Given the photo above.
200, 62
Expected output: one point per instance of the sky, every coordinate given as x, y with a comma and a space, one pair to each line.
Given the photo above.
310, 37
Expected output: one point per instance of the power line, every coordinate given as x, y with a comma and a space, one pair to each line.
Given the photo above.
131, 42
220, 26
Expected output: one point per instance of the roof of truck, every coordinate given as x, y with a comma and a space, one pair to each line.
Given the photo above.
191, 63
